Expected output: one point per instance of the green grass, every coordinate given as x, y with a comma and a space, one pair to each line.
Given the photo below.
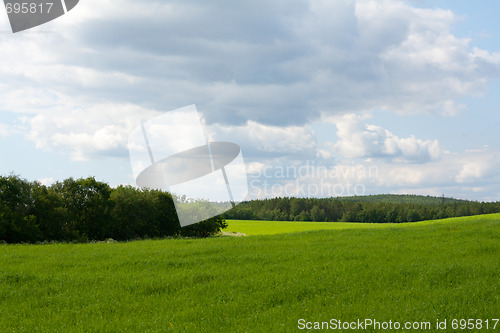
253, 227
429, 271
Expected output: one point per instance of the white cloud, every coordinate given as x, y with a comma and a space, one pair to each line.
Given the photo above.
259, 138
476, 170
101, 130
255, 168
357, 139
451, 109
260, 72
278, 66
4, 130
47, 181
473, 171
467, 175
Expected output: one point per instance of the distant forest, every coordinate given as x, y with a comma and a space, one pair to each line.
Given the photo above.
372, 209
84, 210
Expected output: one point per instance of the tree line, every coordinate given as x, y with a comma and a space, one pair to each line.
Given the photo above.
86, 209
372, 209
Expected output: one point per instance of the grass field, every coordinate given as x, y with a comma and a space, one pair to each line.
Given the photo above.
252, 228
422, 272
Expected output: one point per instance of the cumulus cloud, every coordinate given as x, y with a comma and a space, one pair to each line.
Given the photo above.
259, 140
467, 175
99, 131
357, 139
485, 167
259, 71
278, 63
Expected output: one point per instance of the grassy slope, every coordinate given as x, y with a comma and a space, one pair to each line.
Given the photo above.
254, 227
261, 283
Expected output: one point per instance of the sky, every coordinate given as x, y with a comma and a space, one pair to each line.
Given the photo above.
325, 98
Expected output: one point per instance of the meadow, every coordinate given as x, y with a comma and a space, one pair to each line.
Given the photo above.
448, 269
256, 227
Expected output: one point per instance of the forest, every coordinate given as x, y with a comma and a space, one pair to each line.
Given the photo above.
371, 209
85, 210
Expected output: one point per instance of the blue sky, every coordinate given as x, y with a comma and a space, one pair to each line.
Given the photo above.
373, 97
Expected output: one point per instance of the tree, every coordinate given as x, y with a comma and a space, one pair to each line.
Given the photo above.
317, 215
17, 223
414, 216
88, 204
52, 217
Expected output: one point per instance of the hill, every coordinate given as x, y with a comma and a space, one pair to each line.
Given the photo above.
258, 228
